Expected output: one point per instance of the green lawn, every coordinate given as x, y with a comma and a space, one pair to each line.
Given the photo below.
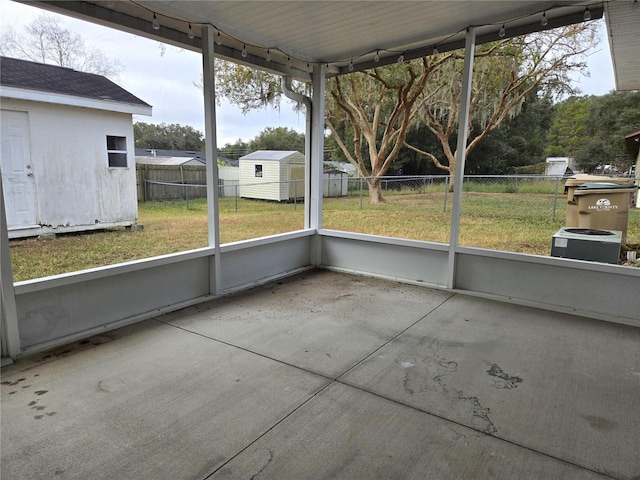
517, 222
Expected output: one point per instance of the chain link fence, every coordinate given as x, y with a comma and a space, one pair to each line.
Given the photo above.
552, 187
515, 213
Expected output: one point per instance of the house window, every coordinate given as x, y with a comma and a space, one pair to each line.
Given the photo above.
258, 170
117, 151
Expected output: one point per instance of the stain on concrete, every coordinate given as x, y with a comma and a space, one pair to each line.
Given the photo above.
432, 372
15, 382
40, 408
106, 386
600, 423
31, 403
503, 379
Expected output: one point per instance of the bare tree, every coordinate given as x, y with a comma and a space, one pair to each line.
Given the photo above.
45, 40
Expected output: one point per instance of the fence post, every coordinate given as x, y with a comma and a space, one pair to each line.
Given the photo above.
295, 195
446, 187
360, 193
555, 200
145, 173
184, 187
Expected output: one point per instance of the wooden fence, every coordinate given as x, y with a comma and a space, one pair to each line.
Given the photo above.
168, 182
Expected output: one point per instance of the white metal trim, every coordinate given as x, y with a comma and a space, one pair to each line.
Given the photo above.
577, 311
552, 261
317, 160
265, 280
213, 212
74, 101
8, 312
256, 242
307, 102
39, 284
463, 131
402, 242
114, 326
391, 278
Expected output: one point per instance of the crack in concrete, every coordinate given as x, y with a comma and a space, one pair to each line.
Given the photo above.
266, 464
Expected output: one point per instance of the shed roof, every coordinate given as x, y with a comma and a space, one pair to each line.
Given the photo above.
160, 152
166, 160
40, 77
271, 155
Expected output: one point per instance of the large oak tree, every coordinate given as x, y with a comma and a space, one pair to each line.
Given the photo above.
370, 113
505, 73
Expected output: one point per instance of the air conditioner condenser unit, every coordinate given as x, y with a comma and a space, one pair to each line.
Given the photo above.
587, 244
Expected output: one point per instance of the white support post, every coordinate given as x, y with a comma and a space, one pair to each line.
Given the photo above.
9, 334
307, 102
213, 213
463, 131
317, 157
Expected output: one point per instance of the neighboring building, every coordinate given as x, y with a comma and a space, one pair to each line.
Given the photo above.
144, 155
169, 161
557, 166
228, 181
335, 183
67, 149
342, 167
272, 175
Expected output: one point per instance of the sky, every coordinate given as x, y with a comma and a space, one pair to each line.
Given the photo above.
166, 81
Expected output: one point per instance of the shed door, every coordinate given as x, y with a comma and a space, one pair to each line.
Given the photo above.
18, 180
335, 185
296, 181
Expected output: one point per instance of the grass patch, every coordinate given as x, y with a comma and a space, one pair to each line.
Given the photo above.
502, 221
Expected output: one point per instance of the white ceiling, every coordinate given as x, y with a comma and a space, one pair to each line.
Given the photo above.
623, 25
288, 36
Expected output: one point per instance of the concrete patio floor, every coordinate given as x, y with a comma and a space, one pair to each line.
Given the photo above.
332, 376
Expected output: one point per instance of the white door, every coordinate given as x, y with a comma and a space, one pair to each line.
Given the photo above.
18, 179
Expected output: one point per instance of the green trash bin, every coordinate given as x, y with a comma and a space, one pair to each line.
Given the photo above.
604, 206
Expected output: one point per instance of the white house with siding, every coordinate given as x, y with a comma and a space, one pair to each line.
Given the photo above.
67, 158
272, 175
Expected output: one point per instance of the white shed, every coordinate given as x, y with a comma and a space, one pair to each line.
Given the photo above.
557, 166
335, 183
67, 150
228, 179
272, 175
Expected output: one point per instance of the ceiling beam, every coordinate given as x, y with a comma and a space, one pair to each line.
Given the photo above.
459, 43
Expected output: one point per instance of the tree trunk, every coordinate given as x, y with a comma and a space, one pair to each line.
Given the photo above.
375, 190
452, 174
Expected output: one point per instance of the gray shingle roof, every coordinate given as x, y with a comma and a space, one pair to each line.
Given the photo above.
51, 78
